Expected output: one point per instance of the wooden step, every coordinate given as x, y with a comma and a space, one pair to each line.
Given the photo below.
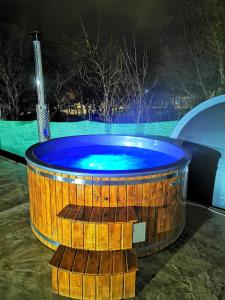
96, 228
83, 274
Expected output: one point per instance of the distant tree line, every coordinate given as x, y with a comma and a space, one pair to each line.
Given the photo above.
119, 80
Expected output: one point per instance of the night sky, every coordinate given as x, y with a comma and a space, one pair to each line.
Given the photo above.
145, 18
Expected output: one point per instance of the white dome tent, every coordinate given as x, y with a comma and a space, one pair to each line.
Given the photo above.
202, 130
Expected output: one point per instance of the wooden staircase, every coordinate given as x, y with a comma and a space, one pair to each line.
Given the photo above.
95, 260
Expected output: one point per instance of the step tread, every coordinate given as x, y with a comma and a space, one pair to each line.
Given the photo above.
98, 214
94, 262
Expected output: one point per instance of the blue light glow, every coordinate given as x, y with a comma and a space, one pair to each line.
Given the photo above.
107, 158
108, 162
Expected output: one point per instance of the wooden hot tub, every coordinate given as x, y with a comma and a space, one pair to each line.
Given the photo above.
156, 193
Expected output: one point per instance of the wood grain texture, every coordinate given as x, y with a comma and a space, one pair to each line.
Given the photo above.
48, 197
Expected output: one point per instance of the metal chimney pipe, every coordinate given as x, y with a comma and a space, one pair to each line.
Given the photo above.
42, 109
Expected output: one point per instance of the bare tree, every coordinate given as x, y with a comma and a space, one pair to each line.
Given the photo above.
115, 75
13, 78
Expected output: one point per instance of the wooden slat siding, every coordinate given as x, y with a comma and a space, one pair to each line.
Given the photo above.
55, 262
43, 205
77, 240
145, 218
59, 206
109, 215
52, 185
29, 178
89, 287
63, 276
35, 200
129, 284
72, 191
103, 287
138, 193
89, 236
76, 277
116, 286
115, 236
102, 237
122, 194
40, 224
67, 233
146, 194
105, 194
131, 193
66, 226
88, 192
65, 190
113, 193
80, 192
126, 235
76, 286
151, 225
96, 193
131, 260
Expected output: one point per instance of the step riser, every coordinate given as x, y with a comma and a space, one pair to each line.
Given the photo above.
100, 287
96, 236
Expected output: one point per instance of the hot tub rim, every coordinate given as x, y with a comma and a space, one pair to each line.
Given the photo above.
177, 165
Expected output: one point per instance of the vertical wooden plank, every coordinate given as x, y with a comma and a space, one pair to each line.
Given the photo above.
80, 192
67, 232
77, 235
65, 267
131, 193
65, 191
88, 193
122, 194
146, 194
113, 190
115, 235
127, 235
76, 286
48, 206
129, 284
105, 194
102, 237
96, 193
138, 193
63, 283
59, 207
89, 236
30, 190
89, 287
43, 205
72, 191
116, 286
103, 287
55, 286
52, 184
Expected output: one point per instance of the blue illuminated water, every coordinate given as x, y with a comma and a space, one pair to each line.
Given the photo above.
98, 157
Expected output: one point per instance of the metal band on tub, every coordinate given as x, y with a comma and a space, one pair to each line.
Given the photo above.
177, 173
